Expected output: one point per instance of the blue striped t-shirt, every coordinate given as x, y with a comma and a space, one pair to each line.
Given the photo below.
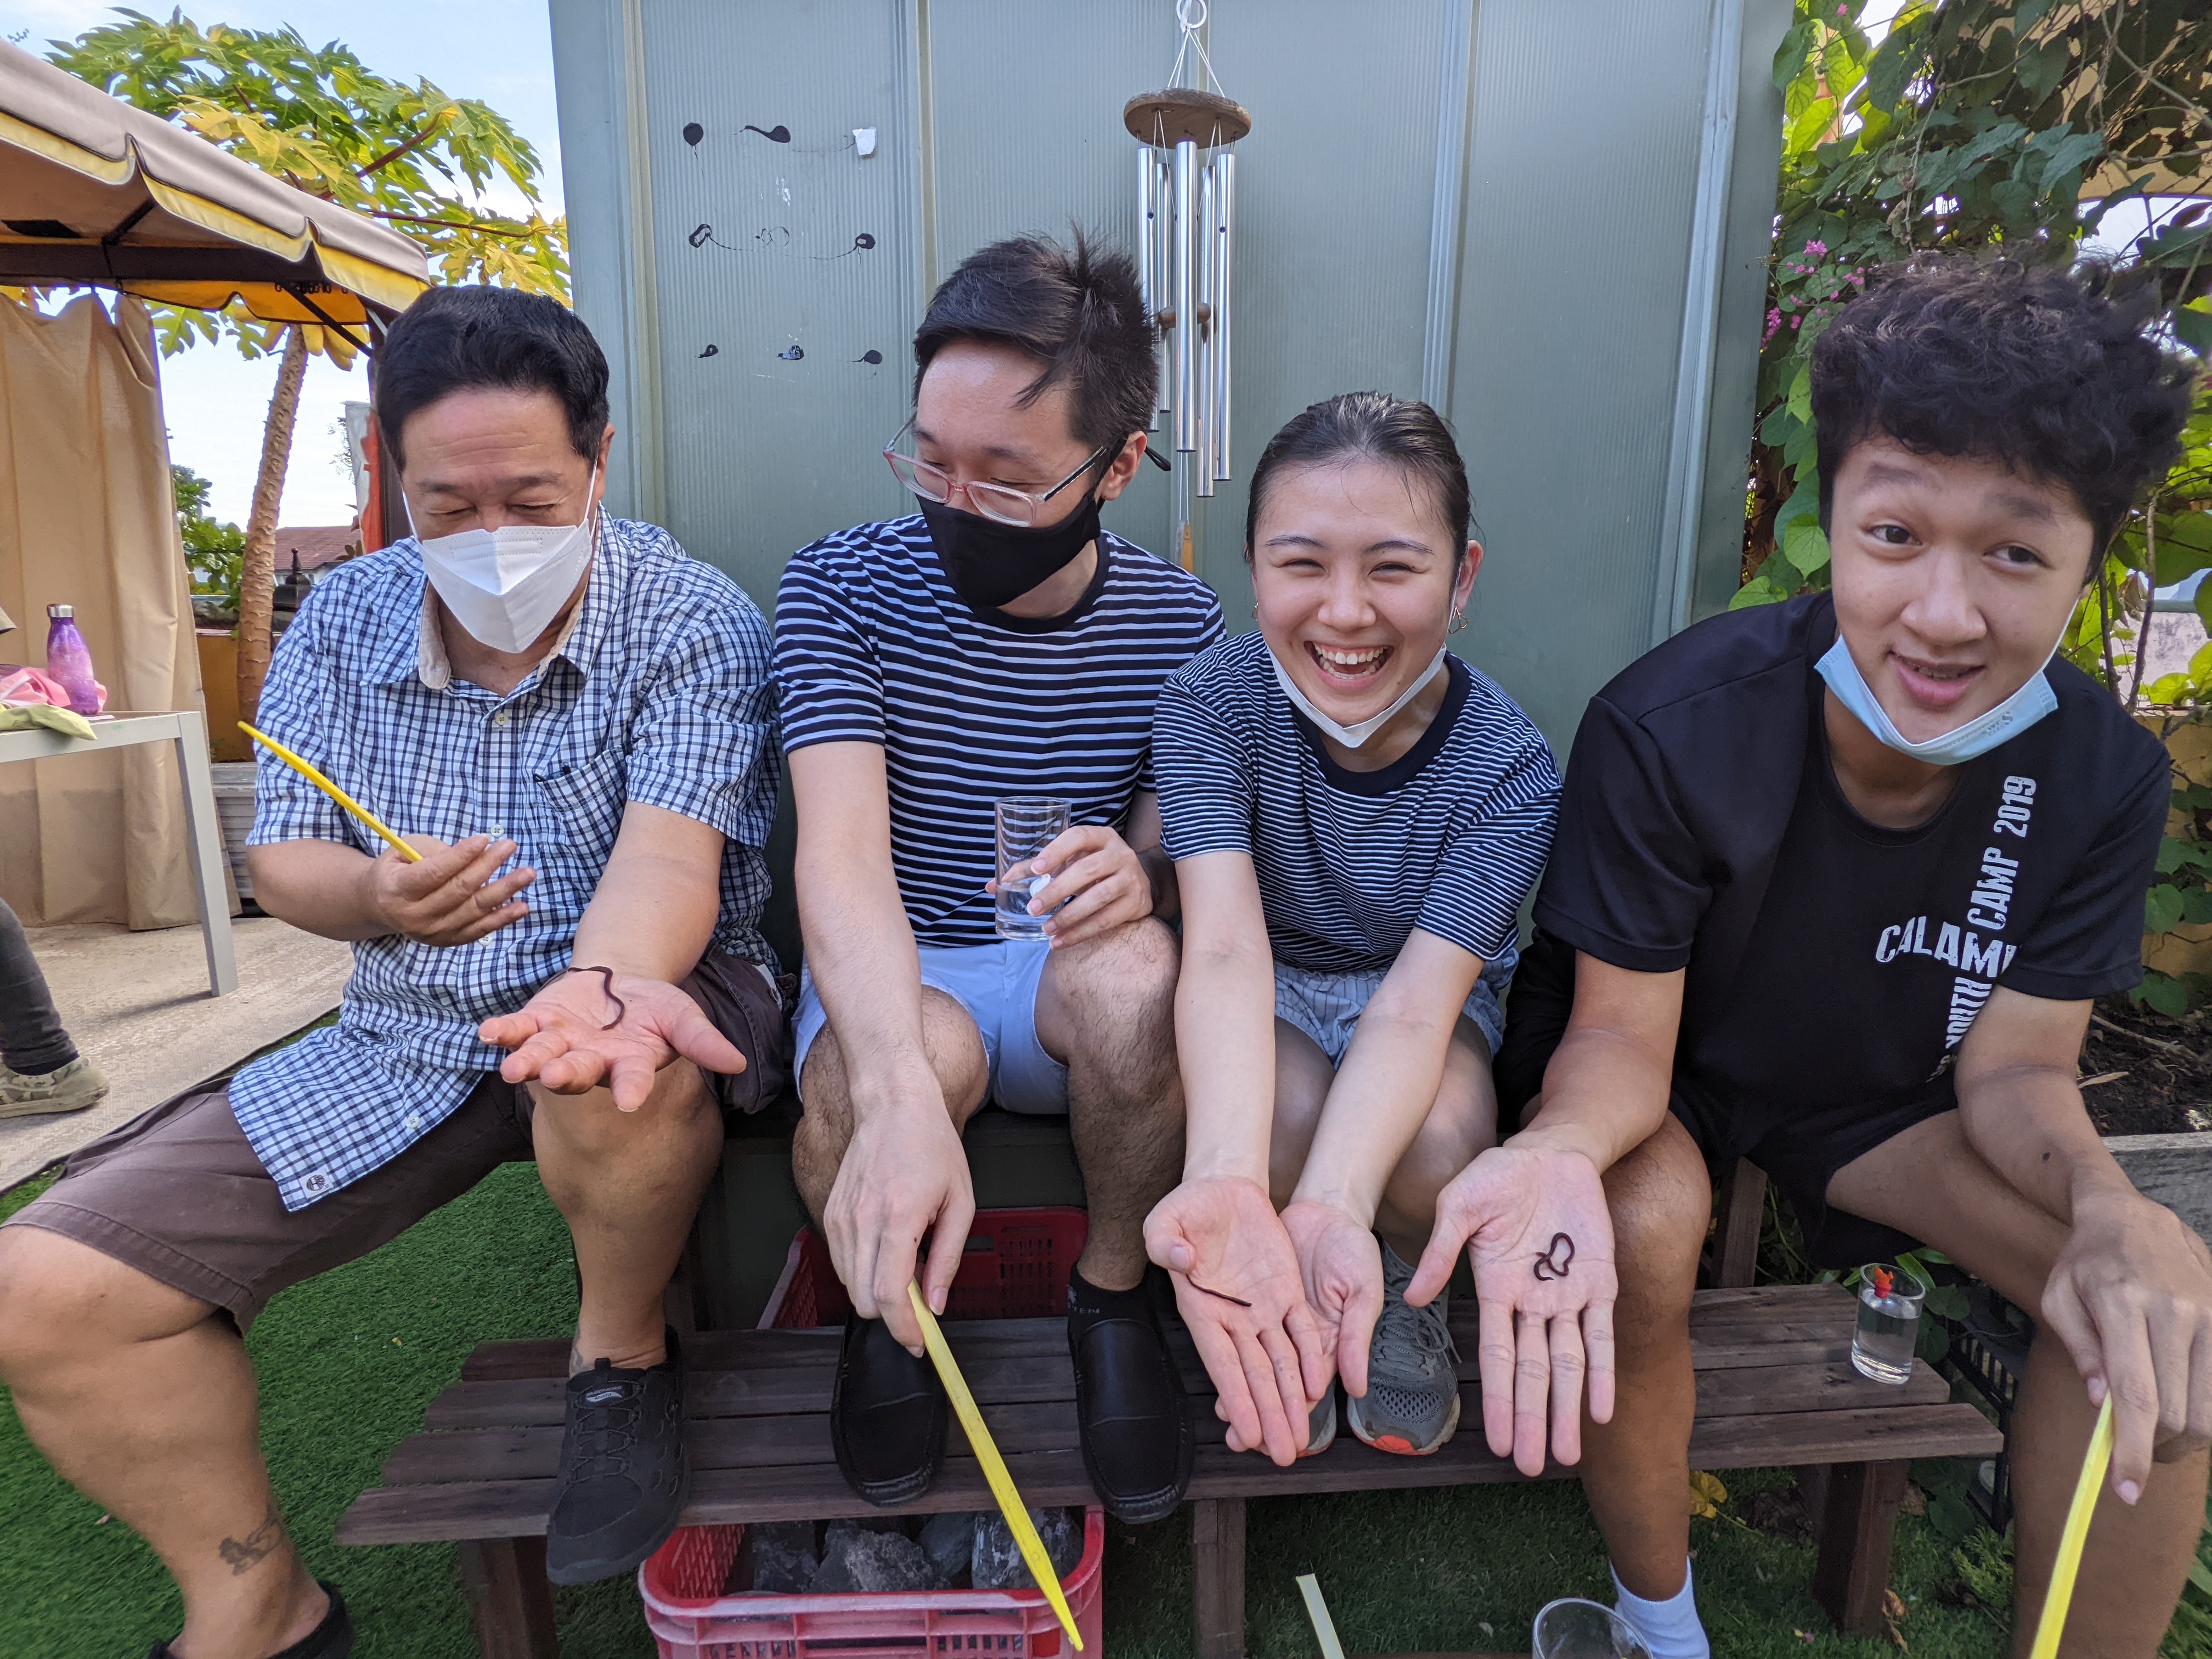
1450, 837
873, 646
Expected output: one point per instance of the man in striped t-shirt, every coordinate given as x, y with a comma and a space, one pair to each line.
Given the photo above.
999, 643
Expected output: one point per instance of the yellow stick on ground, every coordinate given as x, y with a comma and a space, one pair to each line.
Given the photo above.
2060, 1595
994, 1467
307, 769
1318, 1610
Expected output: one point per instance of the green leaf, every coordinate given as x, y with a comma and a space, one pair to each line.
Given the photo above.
1801, 395
2162, 909
2169, 996
2040, 68
2193, 326
1789, 57
1805, 547
2195, 906
2070, 154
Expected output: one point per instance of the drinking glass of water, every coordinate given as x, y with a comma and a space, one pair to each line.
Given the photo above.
1889, 1323
1027, 825
1576, 1629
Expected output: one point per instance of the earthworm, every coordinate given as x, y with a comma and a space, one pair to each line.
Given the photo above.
620, 1007
1219, 1295
1546, 1268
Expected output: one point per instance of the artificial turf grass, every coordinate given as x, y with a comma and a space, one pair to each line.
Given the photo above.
348, 1363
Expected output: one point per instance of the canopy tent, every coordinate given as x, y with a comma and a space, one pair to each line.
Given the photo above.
93, 190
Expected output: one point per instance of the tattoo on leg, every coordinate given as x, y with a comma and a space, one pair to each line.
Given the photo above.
1553, 1262
257, 1545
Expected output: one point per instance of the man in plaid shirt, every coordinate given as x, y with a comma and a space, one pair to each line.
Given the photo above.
573, 724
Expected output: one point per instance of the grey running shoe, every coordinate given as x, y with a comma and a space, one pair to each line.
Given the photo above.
1412, 1405
1320, 1424
78, 1084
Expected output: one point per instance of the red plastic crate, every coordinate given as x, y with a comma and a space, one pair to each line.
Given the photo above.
690, 1618
1015, 1267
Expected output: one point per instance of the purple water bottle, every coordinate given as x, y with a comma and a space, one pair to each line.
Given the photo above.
69, 659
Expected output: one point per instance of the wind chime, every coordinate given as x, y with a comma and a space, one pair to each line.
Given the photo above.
1185, 219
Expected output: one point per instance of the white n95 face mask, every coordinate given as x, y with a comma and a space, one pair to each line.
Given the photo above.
1352, 737
505, 586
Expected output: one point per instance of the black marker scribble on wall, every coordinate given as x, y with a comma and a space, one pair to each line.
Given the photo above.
693, 132
861, 244
871, 355
791, 352
768, 236
777, 134
712, 349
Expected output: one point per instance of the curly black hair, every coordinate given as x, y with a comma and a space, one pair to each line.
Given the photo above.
1079, 312
2046, 371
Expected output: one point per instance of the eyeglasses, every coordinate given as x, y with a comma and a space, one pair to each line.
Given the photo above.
1000, 502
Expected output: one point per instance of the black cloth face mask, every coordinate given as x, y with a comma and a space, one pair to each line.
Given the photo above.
988, 563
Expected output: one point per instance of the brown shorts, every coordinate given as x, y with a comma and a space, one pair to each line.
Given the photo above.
179, 1194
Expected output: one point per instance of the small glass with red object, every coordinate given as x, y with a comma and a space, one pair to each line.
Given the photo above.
1889, 1323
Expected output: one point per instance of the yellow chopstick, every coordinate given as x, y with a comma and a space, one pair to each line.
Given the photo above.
1318, 1610
2060, 1595
994, 1467
306, 770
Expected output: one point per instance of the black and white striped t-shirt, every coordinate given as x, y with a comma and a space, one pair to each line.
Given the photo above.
873, 646
1450, 837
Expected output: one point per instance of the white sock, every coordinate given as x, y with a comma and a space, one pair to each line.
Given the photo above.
1669, 1628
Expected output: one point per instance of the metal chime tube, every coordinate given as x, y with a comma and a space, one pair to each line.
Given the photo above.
1148, 260
1209, 364
1163, 285
1186, 296
1224, 239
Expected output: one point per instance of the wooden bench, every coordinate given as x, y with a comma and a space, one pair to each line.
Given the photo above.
1775, 1386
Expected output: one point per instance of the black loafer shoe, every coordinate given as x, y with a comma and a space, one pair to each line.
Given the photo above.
623, 1472
887, 1412
331, 1639
1130, 1407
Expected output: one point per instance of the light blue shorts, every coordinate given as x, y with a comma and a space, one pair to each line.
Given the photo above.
1327, 1006
997, 984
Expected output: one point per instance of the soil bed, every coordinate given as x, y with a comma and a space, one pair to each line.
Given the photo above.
2164, 1084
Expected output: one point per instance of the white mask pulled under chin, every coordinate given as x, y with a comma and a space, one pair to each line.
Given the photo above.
1353, 737
505, 586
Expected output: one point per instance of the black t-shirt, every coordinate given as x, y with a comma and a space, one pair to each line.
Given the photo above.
1833, 963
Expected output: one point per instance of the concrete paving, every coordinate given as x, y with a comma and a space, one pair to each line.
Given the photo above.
139, 1004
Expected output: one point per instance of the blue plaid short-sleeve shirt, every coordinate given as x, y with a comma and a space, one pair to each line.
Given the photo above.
661, 693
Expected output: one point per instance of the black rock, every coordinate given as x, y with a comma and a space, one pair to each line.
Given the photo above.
784, 1556
949, 1541
853, 1559
997, 1563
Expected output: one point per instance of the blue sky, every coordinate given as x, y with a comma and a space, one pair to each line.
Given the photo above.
500, 50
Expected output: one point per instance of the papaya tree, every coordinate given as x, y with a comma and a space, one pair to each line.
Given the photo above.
409, 155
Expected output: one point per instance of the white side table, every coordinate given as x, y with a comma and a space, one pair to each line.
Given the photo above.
188, 731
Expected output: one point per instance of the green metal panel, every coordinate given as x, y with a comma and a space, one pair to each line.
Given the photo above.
1550, 220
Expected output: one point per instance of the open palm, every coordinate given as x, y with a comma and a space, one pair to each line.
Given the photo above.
1238, 1287
584, 1030
1546, 1308
1342, 1264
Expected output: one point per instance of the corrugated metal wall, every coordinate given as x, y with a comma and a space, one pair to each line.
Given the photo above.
1550, 219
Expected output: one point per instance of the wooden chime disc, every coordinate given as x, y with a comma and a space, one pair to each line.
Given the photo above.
1169, 116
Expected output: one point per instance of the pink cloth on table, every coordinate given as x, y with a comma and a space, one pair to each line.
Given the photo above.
19, 685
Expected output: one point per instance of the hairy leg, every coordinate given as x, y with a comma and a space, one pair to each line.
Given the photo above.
955, 1050
1930, 1183
629, 1184
142, 1398
1462, 1122
1635, 1469
1105, 1009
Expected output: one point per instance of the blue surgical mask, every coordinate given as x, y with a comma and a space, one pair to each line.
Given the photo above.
1976, 737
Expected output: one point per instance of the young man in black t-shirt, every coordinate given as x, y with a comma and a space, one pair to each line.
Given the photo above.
1836, 883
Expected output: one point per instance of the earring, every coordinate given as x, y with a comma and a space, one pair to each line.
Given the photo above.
1255, 610
1458, 622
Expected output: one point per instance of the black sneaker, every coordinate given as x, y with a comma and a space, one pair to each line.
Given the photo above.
887, 1416
331, 1639
623, 1473
1130, 1407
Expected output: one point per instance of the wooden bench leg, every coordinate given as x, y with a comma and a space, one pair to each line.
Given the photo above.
510, 1598
1741, 1206
1217, 1561
1858, 1519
